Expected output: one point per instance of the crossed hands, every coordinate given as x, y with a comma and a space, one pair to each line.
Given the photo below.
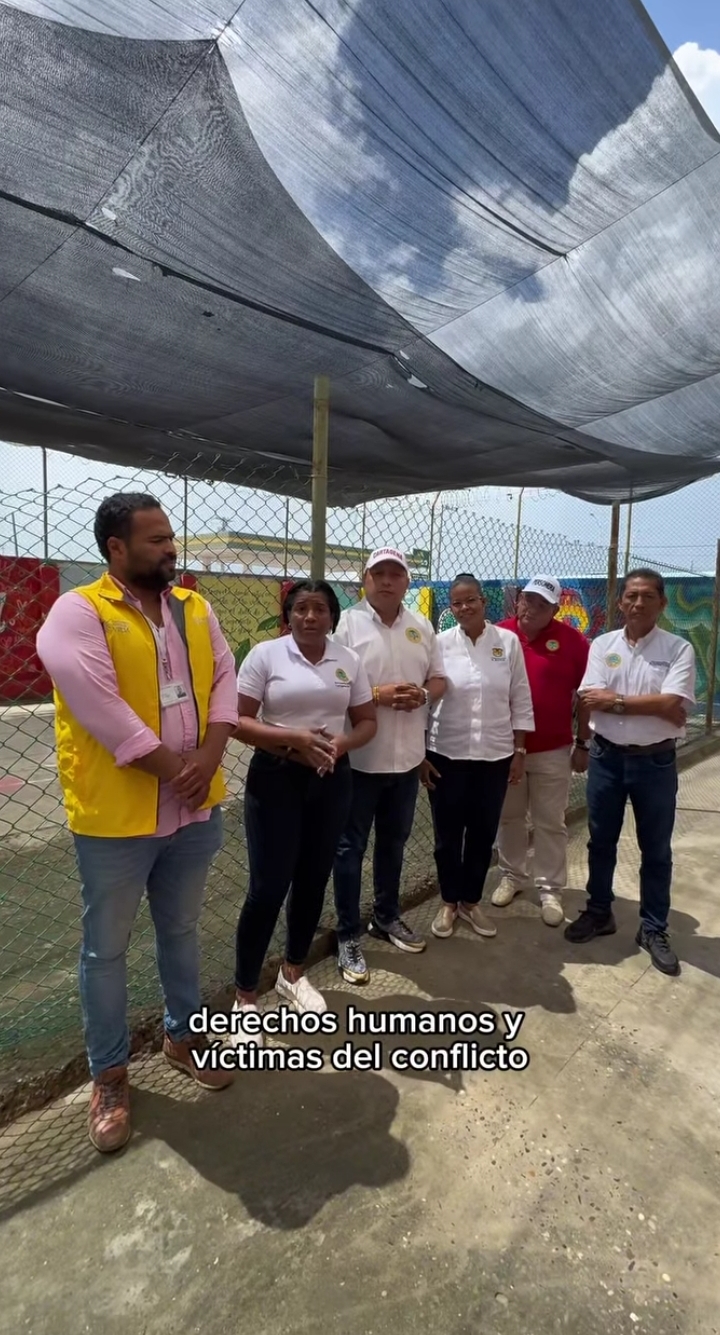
404, 696
596, 699
192, 785
318, 749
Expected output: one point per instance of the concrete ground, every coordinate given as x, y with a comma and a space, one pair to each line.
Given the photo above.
579, 1195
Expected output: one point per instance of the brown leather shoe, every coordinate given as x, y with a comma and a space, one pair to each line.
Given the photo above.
178, 1055
109, 1117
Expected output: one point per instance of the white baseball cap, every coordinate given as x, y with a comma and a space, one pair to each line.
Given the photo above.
387, 554
547, 587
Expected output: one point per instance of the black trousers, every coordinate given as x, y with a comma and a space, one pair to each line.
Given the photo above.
293, 823
466, 805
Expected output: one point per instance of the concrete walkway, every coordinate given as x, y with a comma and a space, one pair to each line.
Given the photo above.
580, 1195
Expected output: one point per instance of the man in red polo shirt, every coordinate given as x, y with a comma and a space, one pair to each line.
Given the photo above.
555, 657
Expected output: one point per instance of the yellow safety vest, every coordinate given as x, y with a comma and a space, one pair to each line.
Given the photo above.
102, 799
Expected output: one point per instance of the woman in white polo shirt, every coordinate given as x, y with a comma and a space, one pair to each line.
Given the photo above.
316, 705
476, 745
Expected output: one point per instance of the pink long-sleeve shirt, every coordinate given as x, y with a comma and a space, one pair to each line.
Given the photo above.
73, 648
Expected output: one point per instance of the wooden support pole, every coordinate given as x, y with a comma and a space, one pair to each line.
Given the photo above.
610, 606
321, 427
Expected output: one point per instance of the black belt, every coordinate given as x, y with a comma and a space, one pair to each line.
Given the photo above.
668, 745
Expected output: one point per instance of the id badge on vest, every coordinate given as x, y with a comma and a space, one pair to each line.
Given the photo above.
173, 693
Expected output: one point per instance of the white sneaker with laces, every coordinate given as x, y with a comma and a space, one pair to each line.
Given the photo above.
237, 1037
504, 893
302, 995
552, 910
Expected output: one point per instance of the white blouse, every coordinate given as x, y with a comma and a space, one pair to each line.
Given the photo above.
487, 697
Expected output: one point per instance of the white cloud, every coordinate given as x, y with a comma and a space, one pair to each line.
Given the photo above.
701, 68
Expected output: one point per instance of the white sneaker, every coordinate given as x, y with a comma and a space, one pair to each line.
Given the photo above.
552, 910
237, 1037
504, 893
302, 995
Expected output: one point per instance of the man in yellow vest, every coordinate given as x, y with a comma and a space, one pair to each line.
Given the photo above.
145, 701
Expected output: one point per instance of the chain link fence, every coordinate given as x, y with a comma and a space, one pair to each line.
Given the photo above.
239, 547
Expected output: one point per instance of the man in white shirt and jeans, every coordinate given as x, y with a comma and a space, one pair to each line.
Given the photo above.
399, 652
637, 687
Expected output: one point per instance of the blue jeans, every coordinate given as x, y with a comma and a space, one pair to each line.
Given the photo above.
115, 874
650, 781
388, 800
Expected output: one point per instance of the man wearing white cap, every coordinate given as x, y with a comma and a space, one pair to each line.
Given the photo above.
556, 656
399, 652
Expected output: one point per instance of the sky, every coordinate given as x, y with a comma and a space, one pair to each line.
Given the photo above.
678, 531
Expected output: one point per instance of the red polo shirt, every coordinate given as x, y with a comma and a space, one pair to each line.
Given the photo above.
555, 662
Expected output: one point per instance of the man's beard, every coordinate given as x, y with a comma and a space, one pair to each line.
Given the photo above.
155, 581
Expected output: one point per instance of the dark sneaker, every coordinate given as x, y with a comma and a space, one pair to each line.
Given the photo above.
657, 944
109, 1117
589, 925
399, 934
351, 962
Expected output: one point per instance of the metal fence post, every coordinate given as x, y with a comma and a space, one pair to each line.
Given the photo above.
362, 540
432, 533
286, 545
628, 536
712, 658
46, 538
321, 415
185, 524
610, 612
518, 534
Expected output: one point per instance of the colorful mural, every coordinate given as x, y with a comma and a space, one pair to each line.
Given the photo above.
247, 607
689, 611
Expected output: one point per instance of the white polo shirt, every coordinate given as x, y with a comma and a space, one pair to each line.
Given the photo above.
659, 664
487, 697
404, 652
295, 693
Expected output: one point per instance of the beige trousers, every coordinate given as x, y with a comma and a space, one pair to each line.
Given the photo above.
542, 796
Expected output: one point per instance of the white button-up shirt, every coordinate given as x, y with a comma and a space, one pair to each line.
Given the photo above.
407, 651
295, 693
659, 664
487, 697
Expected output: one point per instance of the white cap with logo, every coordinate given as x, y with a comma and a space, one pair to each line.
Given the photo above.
387, 554
546, 587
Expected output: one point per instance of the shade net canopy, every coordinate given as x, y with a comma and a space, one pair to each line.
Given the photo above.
493, 226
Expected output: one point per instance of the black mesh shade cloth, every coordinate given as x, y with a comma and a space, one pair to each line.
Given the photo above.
493, 226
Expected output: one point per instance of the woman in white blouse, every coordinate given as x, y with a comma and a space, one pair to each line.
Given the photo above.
317, 705
476, 746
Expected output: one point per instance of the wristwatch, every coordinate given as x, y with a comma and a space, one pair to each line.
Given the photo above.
520, 750
426, 693
619, 705
581, 746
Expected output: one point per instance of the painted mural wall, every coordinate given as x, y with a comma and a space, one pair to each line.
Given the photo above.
248, 609
689, 611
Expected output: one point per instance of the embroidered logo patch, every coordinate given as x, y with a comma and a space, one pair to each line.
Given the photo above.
413, 635
613, 660
553, 646
497, 652
117, 625
342, 676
